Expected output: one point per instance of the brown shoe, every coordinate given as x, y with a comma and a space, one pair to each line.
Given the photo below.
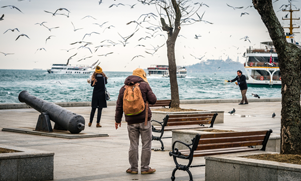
149, 171
131, 171
98, 125
89, 124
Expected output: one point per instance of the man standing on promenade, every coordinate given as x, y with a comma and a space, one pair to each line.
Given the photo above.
241, 81
137, 93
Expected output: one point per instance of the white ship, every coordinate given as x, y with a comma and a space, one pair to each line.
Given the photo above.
262, 66
69, 69
261, 63
162, 71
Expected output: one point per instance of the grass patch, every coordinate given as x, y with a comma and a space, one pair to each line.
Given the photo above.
285, 158
217, 130
3, 150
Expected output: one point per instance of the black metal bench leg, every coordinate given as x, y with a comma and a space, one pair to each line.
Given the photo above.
173, 174
162, 145
190, 175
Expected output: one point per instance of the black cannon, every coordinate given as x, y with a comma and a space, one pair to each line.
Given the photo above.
64, 119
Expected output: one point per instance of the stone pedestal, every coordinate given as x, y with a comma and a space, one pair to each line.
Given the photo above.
233, 167
25, 164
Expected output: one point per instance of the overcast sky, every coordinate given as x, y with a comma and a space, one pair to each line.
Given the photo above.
218, 40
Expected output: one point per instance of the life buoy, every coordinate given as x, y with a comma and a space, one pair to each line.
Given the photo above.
279, 78
261, 78
251, 64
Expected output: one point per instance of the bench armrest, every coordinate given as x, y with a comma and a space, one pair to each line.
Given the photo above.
175, 152
156, 130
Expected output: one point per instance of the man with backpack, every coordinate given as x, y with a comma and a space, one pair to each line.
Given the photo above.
133, 100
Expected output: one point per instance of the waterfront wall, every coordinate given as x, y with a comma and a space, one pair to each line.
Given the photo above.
113, 103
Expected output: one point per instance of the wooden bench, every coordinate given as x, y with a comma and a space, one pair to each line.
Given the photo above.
161, 103
182, 121
217, 143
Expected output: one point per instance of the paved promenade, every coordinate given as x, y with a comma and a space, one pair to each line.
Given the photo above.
106, 158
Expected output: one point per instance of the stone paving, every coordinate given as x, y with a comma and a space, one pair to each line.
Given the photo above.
106, 158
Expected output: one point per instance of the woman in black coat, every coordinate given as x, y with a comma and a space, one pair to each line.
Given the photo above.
98, 81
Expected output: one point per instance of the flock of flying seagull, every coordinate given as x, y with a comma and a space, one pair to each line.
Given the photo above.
152, 31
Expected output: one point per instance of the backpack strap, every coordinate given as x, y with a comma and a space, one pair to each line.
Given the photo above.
146, 113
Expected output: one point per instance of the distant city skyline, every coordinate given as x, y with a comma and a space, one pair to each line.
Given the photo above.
219, 40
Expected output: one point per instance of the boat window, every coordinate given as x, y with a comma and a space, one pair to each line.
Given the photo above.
262, 59
260, 75
73, 68
58, 68
182, 72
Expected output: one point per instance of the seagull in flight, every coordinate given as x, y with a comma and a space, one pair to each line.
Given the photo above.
109, 27
99, 2
137, 57
84, 58
12, 7
89, 17
235, 7
68, 50
39, 49
70, 58
101, 24
244, 13
6, 53
246, 38
119, 4
21, 35
89, 34
86, 48
1, 18
197, 36
126, 38
48, 38
75, 29
106, 54
12, 30
148, 15
41, 24
197, 57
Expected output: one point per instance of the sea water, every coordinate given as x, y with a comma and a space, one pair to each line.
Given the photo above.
74, 88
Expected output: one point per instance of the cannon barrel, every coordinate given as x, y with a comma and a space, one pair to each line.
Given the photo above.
62, 117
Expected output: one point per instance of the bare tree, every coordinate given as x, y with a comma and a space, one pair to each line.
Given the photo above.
177, 13
289, 56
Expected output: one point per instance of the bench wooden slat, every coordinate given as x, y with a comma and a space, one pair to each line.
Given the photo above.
188, 122
190, 118
231, 139
199, 153
227, 145
170, 128
249, 133
190, 115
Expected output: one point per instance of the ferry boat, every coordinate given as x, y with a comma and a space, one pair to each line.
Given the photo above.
261, 63
262, 66
69, 69
162, 71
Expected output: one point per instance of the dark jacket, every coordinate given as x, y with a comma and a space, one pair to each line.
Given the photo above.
98, 97
147, 95
241, 82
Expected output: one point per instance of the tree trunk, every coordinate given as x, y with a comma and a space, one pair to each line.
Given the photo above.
289, 57
175, 103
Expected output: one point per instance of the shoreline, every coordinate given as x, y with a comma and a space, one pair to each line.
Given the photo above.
113, 103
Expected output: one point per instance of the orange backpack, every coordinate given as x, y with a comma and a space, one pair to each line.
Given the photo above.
133, 102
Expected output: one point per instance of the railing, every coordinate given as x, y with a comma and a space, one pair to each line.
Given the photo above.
262, 64
261, 51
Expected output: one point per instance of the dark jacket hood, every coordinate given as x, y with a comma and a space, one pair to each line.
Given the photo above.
132, 79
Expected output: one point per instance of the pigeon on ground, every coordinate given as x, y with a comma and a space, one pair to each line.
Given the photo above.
273, 115
256, 95
232, 112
